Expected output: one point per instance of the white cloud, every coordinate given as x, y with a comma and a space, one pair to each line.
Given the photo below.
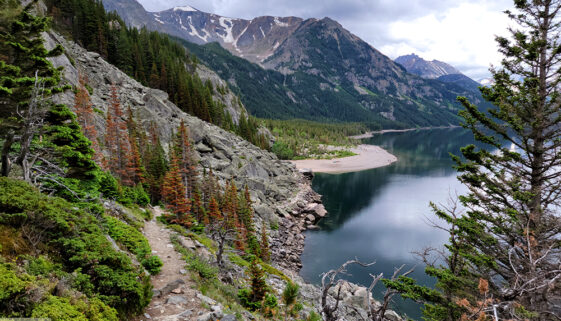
463, 36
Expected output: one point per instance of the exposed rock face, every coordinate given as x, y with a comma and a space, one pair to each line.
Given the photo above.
426, 69
273, 183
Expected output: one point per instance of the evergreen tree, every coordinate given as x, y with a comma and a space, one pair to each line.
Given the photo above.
509, 236
23, 66
117, 142
265, 250
173, 194
156, 165
86, 118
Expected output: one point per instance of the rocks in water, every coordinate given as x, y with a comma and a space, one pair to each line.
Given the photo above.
316, 209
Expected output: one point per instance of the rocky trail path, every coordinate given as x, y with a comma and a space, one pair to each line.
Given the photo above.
175, 297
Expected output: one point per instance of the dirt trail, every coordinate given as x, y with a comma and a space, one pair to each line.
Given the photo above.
174, 297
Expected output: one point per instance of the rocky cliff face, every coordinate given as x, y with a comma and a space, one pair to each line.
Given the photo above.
281, 194
426, 69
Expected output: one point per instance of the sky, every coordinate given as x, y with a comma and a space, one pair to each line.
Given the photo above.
458, 32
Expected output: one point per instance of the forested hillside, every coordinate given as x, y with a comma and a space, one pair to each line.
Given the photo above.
152, 58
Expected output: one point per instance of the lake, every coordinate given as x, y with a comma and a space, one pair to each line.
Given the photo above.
383, 214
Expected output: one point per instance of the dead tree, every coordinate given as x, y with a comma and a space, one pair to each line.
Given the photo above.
329, 280
378, 314
221, 233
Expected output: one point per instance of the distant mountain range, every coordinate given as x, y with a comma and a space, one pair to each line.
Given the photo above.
424, 68
307, 68
437, 70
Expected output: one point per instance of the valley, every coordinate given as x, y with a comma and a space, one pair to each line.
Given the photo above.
186, 165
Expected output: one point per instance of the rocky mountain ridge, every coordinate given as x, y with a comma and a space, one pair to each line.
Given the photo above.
424, 68
320, 64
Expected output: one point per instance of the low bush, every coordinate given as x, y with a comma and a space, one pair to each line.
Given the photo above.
73, 239
135, 242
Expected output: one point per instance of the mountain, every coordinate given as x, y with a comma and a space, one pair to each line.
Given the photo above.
462, 81
312, 68
426, 69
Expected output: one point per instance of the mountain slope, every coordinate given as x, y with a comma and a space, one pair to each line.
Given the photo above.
315, 69
426, 69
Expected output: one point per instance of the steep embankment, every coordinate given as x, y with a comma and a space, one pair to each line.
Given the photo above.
272, 182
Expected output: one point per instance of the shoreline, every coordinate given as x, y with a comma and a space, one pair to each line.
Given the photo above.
368, 157
383, 131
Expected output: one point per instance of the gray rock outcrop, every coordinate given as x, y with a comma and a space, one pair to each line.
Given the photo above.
274, 184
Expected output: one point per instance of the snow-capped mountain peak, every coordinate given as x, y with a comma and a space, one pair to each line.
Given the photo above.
185, 8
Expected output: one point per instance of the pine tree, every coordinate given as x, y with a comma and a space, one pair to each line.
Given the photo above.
509, 234
22, 67
173, 193
265, 250
156, 165
214, 211
257, 281
184, 151
135, 165
117, 142
86, 118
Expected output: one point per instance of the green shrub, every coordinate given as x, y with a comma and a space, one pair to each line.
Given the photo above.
269, 306
10, 283
42, 266
135, 242
99, 311
313, 316
282, 150
153, 264
108, 186
82, 282
245, 299
72, 236
57, 308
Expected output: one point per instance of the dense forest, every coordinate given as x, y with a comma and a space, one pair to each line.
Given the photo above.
152, 58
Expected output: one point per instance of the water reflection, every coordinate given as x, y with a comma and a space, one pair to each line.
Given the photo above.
382, 214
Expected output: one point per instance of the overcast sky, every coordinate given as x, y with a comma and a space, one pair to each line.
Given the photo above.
459, 32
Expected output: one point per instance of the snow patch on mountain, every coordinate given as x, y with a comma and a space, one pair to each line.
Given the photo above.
227, 24
158, 20
185, 8
280, 23
195, 32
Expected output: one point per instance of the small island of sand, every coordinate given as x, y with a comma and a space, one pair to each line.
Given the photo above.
368, 157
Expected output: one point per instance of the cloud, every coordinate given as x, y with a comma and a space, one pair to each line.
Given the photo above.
458, 32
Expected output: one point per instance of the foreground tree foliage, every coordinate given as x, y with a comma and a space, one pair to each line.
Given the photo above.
504, 253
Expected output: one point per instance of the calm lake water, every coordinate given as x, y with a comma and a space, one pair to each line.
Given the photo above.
382, 214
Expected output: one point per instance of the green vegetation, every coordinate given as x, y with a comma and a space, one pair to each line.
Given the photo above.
134, 242
273, 95
152, 58
502, 257
299, 139
74, 247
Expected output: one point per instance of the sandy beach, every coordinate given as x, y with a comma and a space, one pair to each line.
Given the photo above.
370, 134
368, 156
